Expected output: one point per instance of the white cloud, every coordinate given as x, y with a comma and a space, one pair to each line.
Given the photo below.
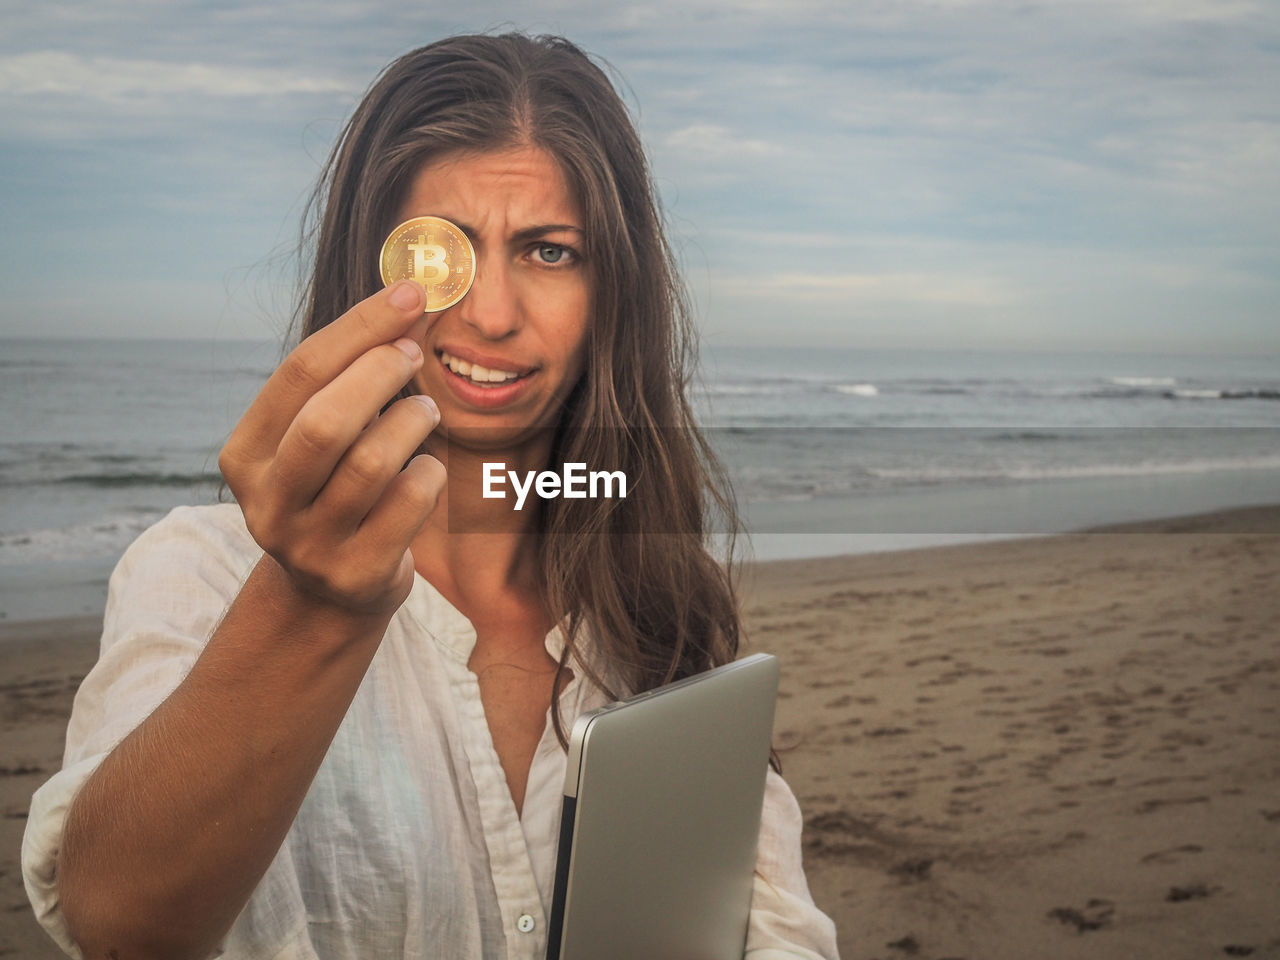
710, 141
115, 80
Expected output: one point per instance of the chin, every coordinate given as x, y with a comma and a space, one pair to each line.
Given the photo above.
491, 434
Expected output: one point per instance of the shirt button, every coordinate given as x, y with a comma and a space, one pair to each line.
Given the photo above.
525, 923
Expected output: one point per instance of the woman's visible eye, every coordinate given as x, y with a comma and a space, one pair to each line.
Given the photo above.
553, 253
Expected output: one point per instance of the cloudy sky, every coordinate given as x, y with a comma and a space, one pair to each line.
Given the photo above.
1093, 174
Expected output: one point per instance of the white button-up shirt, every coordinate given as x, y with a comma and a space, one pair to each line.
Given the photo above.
408, 843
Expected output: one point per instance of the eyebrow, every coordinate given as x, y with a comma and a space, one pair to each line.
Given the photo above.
527, 234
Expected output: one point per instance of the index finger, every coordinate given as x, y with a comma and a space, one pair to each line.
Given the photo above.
393, 312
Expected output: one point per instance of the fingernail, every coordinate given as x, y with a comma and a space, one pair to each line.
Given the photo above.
406, 295
409, 348
430, 404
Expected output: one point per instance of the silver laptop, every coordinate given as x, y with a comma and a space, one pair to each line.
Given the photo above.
662, 803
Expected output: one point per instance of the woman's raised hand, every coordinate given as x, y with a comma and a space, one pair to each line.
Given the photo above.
321, 477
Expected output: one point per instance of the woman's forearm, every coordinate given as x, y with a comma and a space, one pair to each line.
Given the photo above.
167, 840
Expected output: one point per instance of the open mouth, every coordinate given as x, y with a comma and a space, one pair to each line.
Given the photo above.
478, 375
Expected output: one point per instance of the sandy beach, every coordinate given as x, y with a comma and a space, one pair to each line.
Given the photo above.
1066, 747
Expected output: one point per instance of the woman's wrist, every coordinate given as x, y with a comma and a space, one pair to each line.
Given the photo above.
292, 600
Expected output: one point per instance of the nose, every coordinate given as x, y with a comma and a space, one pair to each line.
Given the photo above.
491, 306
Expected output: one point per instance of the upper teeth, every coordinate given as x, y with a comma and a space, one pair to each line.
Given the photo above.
477, 373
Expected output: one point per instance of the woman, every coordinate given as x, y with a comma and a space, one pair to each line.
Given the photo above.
323, 724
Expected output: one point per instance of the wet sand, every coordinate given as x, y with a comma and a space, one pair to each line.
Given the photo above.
1065, 747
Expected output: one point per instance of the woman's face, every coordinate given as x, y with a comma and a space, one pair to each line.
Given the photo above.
524, 321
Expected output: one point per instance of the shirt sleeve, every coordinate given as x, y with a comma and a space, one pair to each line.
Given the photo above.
785, 923
165, 598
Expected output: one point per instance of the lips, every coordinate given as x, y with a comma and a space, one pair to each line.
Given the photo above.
481, 380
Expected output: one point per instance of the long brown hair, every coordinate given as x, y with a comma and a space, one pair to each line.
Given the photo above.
637, 573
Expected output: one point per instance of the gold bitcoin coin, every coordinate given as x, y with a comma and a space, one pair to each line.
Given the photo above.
434, 253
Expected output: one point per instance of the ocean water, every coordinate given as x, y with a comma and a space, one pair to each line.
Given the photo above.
849, 451
829, 450
804, 425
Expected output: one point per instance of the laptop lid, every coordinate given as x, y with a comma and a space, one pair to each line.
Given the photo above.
663, 793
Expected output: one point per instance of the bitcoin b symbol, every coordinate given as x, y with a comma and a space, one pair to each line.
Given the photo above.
430, 261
